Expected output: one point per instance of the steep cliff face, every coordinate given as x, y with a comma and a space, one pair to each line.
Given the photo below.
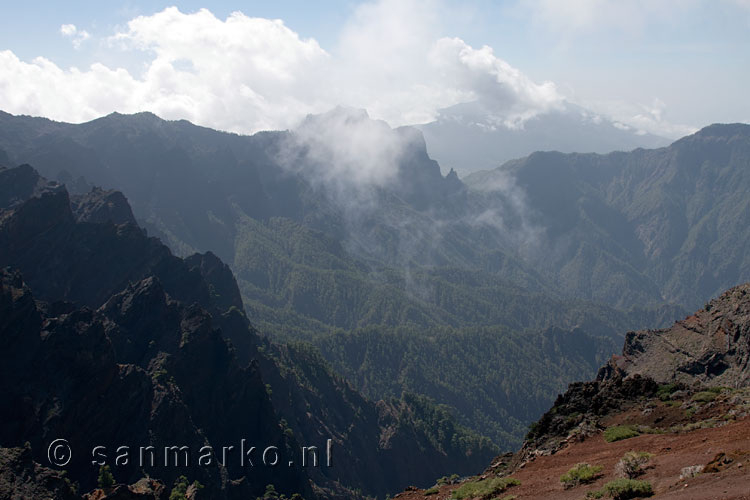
143, 370
710, 347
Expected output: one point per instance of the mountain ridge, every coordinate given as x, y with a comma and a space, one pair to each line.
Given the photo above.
177, 361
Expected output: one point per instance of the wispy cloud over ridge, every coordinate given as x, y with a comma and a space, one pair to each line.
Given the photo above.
245, 74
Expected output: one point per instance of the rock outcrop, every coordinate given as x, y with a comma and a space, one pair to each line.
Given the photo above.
711, 347
110, 340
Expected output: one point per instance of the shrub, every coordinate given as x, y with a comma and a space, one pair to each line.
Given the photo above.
620, 432
631, 464
704, 396
485, 488
432, 491
447, 479
179, 489
580, 474
665, 391
624, 489
106, 479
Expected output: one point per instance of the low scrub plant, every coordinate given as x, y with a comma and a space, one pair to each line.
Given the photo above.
704, 396
631, 465
623, 489
620, 432
486, 488
581, 474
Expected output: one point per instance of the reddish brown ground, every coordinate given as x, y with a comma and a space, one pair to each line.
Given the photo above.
540, 479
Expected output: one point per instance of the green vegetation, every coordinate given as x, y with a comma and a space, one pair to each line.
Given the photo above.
447, 479
704, 396
105, 479
623, 489
432, 491
665, 391
620, 432
272, 494
631, 464
486, 488
180, 488
581, 474
436, 331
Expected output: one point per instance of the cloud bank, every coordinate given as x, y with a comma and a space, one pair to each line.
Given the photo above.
245, 74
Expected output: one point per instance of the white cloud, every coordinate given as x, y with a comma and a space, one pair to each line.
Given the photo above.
77, 36
568, 19
245, 74
345, 149
508, 94
652, 118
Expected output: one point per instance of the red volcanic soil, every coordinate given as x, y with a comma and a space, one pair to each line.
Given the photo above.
540, 478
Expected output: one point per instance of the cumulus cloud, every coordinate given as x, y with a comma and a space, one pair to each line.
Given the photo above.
76, 35
245, 74
346, 147
506, 92
642, 118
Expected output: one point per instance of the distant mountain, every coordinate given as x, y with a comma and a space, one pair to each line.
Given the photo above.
110, 340
343, 233
470, 137
669, 224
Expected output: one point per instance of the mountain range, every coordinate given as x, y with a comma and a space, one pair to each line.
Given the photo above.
112, 341
471, 136
347, 250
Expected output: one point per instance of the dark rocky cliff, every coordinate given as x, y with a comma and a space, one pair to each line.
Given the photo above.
110, 340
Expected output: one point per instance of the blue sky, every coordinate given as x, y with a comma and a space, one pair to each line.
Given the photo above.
666, 66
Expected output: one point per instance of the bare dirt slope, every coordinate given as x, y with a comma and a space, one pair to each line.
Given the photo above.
540, 478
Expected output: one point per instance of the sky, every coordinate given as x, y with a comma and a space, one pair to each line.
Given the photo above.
663, 66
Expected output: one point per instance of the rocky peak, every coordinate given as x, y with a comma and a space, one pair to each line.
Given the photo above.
710, 347
100, 206
22, 183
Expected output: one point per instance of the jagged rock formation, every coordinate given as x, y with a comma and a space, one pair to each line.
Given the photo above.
102, 206
21, 477
109, 340
711, 347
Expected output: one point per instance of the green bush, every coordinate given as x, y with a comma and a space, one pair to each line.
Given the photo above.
620, 432
580, 474
631, 464
665, 391
704, 396
432, 491
485, 488
179, 489
624, 489
105, 479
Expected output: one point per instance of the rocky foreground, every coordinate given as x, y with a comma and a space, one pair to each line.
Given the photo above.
669, 418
